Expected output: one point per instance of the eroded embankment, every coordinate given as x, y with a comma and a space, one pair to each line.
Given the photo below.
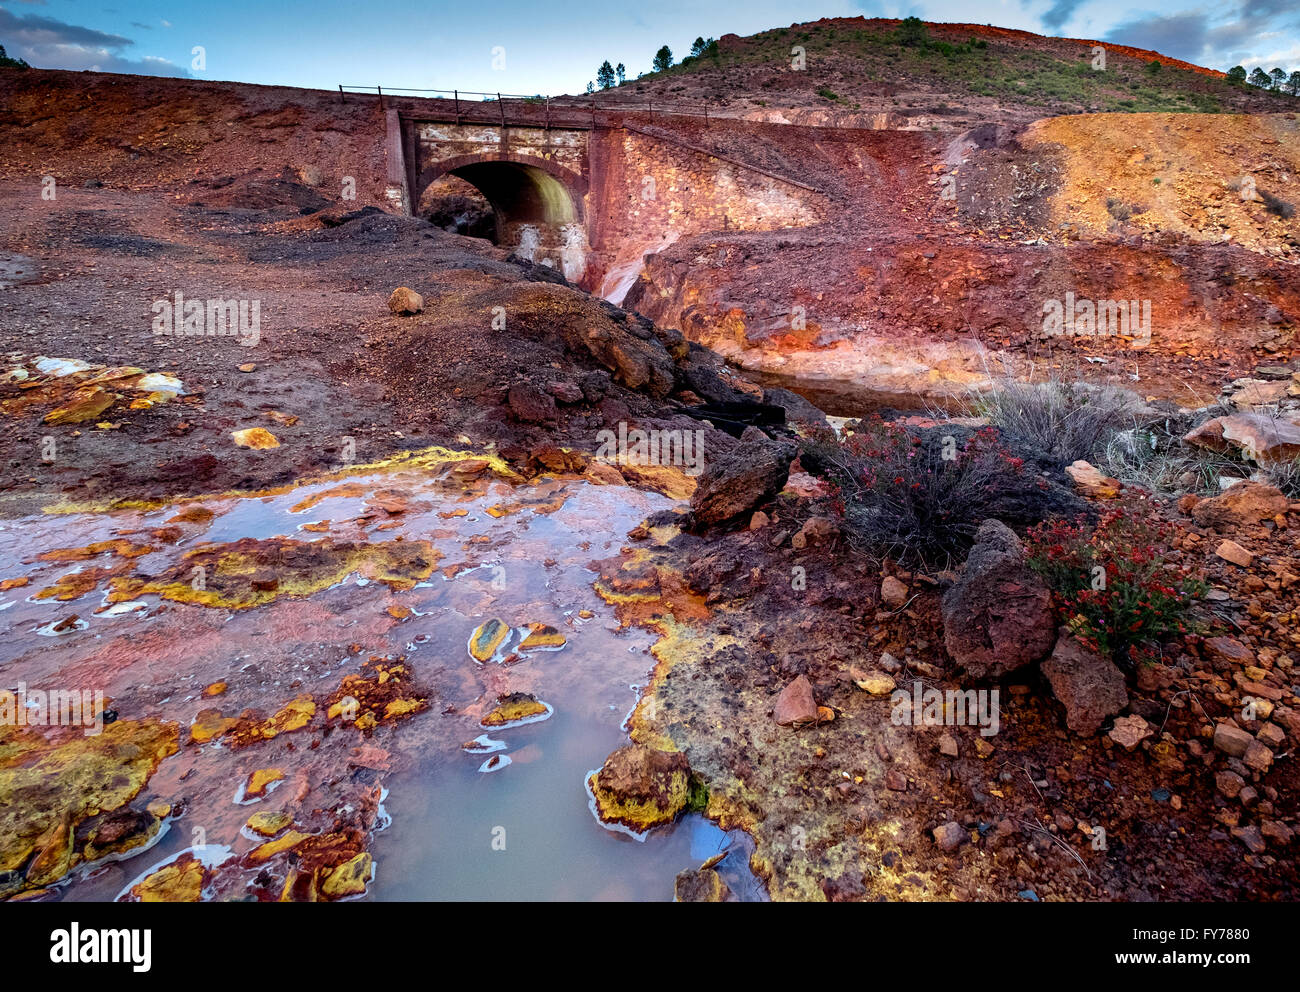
933, 318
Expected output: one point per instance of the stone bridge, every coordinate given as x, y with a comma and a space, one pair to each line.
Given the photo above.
589, 199
536, 178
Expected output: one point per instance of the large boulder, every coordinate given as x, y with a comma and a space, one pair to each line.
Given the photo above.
1090, 686
1243, 504
1263, 437
741, 480
640, 787
998, 616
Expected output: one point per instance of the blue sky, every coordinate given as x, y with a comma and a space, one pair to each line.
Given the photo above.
555, 47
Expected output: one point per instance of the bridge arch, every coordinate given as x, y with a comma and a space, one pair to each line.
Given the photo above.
538, 204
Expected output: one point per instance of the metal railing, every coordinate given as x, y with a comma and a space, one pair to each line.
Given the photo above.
477, 106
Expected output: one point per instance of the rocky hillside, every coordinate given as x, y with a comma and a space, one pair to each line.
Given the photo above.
867, 73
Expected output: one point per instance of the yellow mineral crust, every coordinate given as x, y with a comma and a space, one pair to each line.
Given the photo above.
541, 635
180, 881
50, 786
640, 787
431, 459
251, 572
487, 637
515, 706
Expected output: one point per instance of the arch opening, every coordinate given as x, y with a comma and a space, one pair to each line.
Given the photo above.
534, 213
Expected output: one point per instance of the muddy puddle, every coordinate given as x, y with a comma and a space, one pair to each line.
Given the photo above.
253, 622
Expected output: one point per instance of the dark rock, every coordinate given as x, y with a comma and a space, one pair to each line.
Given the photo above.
741, 480
1090, 686
700, 885
594, 385
530, 404
997, 617
566, 392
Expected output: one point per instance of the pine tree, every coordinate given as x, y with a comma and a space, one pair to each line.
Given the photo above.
7, 63
1293, 84
1278, 77
663, 59
605, 75
1258, 77
1237, 74
621, 72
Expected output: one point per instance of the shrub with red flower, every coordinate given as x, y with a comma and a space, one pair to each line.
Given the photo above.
1112, 583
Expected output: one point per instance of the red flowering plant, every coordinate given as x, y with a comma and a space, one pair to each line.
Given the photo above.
919, 495
1113, 583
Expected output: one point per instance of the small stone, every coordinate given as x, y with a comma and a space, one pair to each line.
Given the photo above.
349, 878
405, 302
893, 592
1279, 833
269, 824
1130, 731
700, 885
1271, 735
816, 530
1227, 649
565, 392
876, 683
889, 663
1250, 836
896, 780
260, 781
1229, 783
948, 745
796, 705
1089, 685
1231, 739
983, 749
1091, 481
1231, 551
257, 438
1258, 757
950, 836
759, 520
247, 367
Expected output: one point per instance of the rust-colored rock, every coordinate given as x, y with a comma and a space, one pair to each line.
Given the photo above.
1090, 481
1261, 437
1245, 503
405, 302
640, 787
796, 705
1090, 686
997, 617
